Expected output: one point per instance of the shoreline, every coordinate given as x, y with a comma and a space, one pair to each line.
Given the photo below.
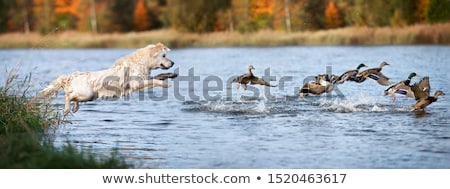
420, 34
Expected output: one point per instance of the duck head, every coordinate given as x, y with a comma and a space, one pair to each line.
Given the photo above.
414, 74
384, 64
360, 66
438, 93
323, 80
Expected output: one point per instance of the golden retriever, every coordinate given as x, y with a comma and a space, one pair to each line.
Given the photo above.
128, 74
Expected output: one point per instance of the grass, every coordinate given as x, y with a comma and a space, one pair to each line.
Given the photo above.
25, 126
415, 34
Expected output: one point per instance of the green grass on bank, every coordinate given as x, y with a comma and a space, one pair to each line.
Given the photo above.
438, 34
25, 127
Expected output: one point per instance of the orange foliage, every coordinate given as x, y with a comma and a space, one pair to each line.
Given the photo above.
262, 7
67, 7
38, 6
261, 12
421, 8
141, 21
332, 19
279, 15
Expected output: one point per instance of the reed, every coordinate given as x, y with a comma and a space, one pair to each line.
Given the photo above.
435, 34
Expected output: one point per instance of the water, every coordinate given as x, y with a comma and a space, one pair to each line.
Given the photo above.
246, 130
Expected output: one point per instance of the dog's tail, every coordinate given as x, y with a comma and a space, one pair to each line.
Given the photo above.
52, 89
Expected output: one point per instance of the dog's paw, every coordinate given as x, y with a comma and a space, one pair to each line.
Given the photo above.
173, 75
165, 76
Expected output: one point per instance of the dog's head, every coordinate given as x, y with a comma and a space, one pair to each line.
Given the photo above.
159, 55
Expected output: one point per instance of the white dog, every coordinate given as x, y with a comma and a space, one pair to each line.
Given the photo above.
128, 74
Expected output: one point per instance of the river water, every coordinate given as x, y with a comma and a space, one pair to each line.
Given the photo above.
203, 121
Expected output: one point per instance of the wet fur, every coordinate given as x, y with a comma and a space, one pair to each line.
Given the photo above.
128, 74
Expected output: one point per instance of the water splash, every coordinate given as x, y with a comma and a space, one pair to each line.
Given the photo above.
359, 103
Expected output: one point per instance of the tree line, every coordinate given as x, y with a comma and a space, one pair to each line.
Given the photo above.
202, 16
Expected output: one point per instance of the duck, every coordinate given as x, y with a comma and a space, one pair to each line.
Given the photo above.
375, 74
350, 74
402, 87
250, 78
422, 94
329, 79
322, 84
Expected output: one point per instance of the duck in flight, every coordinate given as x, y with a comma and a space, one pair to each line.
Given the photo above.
322, 84
250, 78
422, 94
350, 74
402, 87
375, 74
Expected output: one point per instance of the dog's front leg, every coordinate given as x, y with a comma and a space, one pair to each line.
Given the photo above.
147, 84
165, 76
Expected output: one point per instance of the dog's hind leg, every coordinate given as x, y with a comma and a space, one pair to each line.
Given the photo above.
66, 105
76, 106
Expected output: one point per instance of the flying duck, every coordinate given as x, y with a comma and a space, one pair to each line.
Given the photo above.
375, 74
250, 78
402, 87
322, 84
350, 74
422, 93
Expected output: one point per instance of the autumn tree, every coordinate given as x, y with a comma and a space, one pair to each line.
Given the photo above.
224, 20
332, 19
5, 6
16, 15
404, 12
66, 13
156, 10
298, 16
287, 15
43, 13
261, 12
312, 14
422, 6
140, 17
121, 15
437, 11
281, 15
194, 15
241, 15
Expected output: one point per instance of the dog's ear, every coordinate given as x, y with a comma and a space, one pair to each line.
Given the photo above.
164, 47
160, 47
156, 50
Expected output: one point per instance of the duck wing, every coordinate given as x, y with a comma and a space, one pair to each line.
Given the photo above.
347, 76
420, 89
257, 80
424, 85
372, 70
244, 79
237, 79
313, 87
380, 78
381, 75
334, 78
403, 89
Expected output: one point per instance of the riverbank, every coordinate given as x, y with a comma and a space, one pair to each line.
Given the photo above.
436, 34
